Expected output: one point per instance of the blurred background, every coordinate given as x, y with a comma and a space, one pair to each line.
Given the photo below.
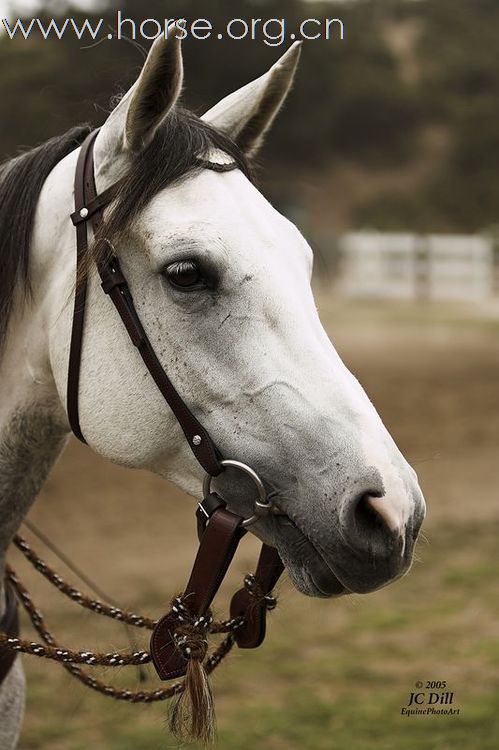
387, 158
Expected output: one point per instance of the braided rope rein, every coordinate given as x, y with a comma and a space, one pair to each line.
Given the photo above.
95, 605
71, 660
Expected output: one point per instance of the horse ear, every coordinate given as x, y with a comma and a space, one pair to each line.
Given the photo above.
156, 91
247, 114
132, 125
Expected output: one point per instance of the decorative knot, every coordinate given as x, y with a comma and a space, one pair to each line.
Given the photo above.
190, 635
255, 590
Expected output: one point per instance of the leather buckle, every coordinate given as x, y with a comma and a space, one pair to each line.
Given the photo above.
207, 507
111, 276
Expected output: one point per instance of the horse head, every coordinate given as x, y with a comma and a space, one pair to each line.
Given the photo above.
221, 281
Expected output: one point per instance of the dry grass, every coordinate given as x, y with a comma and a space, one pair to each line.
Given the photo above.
331, 674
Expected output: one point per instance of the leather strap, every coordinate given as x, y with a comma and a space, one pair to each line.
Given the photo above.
220, 533
10, 625
90, 206
216, 550
252, 606
96, 205
80, 292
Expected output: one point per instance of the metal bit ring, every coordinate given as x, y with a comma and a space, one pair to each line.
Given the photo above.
263, 505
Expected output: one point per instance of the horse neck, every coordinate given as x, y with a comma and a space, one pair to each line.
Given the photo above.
32, 426
33, 423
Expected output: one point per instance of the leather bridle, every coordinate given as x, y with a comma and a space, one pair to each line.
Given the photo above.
89, 207
219, 530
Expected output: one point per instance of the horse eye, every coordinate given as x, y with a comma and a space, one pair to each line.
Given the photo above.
184, 274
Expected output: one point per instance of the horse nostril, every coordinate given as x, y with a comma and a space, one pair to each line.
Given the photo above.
366, 517
386, 511
373, 525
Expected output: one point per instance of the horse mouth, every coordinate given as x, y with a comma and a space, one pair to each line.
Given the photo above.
315, 574
310, 572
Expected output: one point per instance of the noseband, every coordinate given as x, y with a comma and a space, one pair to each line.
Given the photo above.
219, 529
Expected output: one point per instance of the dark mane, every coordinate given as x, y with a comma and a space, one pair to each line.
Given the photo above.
21, 181
176, 150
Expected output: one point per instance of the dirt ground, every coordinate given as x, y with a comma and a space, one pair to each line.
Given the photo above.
332, 674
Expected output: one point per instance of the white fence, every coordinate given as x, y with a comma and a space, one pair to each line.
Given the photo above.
409, 266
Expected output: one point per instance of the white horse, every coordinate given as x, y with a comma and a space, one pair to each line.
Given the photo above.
222, 283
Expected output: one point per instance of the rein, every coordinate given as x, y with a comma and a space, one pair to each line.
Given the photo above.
179, 640
70, 658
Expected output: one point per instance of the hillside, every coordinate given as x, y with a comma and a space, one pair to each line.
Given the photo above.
394, 127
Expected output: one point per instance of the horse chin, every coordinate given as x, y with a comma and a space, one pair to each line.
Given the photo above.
308, 570
318, 581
